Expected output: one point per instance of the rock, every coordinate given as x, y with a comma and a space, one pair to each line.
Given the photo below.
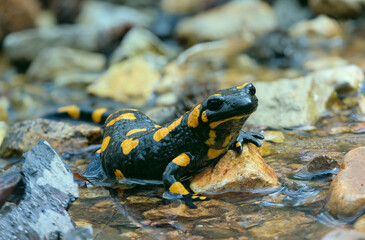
361, 103
232, 20
321, 28
123, 81
320, 166
10, 183
303, 100
143, 200
16, 15
62, 136
340, 234
49, 189
360, 224
348, 128
54, 62
76, 80
25, 45
205, 209
139, 41
4, 106
162, 115
236, 172
347, 191
290, 12
3, 130
319, 63
338, 8
184, 6
66, 11
274, 136
111, 20
167, 99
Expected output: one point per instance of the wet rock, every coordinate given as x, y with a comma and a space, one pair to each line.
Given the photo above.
62, 136
340, 234
205, 209
319, 63
321, 28
338, 8
348, 128
236, 172
139, 41
54, 62
143, 200
303, 100
183, 7
123, 81
274, 136
16, 15
347, 191
10, 185
232, 20
320, 166
49, 189
111, 20
25, 45
360, 224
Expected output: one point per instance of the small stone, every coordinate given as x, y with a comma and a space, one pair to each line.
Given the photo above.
3, 130
62, 136
274, 136
231, 20
76, 80
306, 98
167, 99
347, 191
93, 192
183, 7
4, 105
162, 115
54, 62
325, 62
320, 28
143, 200
348, 128
361, 103
360, 224
123, 81
236, 172
341, 234
338, 8
322, 162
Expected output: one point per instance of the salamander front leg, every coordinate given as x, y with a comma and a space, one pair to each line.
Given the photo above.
174, 189
245, 137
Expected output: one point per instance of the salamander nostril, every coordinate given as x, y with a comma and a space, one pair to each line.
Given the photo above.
252, 89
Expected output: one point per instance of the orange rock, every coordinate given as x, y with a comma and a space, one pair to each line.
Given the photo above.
236, 172
347, 191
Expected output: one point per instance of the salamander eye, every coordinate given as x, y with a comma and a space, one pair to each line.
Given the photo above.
214, 104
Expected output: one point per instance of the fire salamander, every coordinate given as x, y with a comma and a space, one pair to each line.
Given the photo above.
136, 147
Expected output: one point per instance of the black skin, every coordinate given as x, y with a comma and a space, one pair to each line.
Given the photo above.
186, 146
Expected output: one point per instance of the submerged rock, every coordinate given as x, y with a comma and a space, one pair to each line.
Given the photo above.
301, 101
131, 81
48, 190
320, 166
347, 191
54, 62
236, 172
25, 45
232, 20
62, 136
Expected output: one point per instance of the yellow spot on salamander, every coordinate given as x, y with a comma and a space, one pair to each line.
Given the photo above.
128, 145
119, 175
162, 132
182, 160
242, 86
211, 139
73, 111
97, 114
238, 144
178, 188
213, 153
136, 130
129, 109
157, 126
204, 116
105, 143
129, 116
227, 140
215, 124
98, 151
193, 120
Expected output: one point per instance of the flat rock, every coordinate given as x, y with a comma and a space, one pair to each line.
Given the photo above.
231, 20
236, 172
123, 81
303, 100
58, 61
62, 136
338, 8
341, 234
25, 45
49, 189
347, 191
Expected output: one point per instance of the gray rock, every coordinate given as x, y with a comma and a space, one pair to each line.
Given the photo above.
49, 189
58, 61
301, 101
25, 45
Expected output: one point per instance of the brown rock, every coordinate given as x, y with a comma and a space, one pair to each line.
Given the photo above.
183, 6
236, 172
322, 162
274, 136
341, 234
347, 191
16, 15
62, 136
338, 8
360, 224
